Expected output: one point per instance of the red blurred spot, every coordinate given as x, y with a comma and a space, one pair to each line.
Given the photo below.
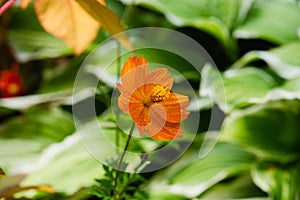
11, 83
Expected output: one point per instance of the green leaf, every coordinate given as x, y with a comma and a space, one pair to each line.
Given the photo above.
273, 20
62, 78
242, 85
271, 131
77, 161
25, 102
67, 166
281, 182
236, 86
194, 175
237, 188
161, 195
212, 86
215, 17
30, 41
24, 137
35, 45
292, 85
284, 60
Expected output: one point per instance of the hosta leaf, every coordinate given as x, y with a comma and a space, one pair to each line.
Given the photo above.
195, 175
71, 164
265, 21
68, 164
270, 130
281, 182
30, 41
216, 17
238, 188
25, 136
235, 86
284, 60
67, 20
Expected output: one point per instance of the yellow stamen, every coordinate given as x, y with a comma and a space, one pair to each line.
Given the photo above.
13, 88
160, 93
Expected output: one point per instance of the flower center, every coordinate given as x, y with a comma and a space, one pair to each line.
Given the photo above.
159, 93
13, 88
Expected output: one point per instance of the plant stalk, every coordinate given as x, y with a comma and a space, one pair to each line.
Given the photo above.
122, 158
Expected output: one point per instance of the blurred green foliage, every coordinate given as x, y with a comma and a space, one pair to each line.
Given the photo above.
255, 44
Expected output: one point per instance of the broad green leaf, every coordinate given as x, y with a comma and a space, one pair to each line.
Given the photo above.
242, 85
33, 45
212, 86
235, 86
292, 85
284, 60
271, 131
30, 41
200, 103
75, 162
281, 182
194, 175
67, 166
24, 102
161, 195
25, 136
67, 20
215, 17
273, 20
62, 78
237, 188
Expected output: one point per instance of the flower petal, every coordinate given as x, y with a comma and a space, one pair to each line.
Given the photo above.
132, 63
139, 113
159, 128
158, 119
175, 107
169, 131
134, 78
160, 76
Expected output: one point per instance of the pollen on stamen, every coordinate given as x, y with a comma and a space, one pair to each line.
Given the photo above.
159, 93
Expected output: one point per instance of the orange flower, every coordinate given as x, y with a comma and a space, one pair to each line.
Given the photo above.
11, 83
148, 99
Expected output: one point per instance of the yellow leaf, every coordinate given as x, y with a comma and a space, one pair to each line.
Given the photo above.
25, 3
109, 21
67, 20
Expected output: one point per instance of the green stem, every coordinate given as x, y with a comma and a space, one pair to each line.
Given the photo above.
121, 160
127, 15
117, 114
